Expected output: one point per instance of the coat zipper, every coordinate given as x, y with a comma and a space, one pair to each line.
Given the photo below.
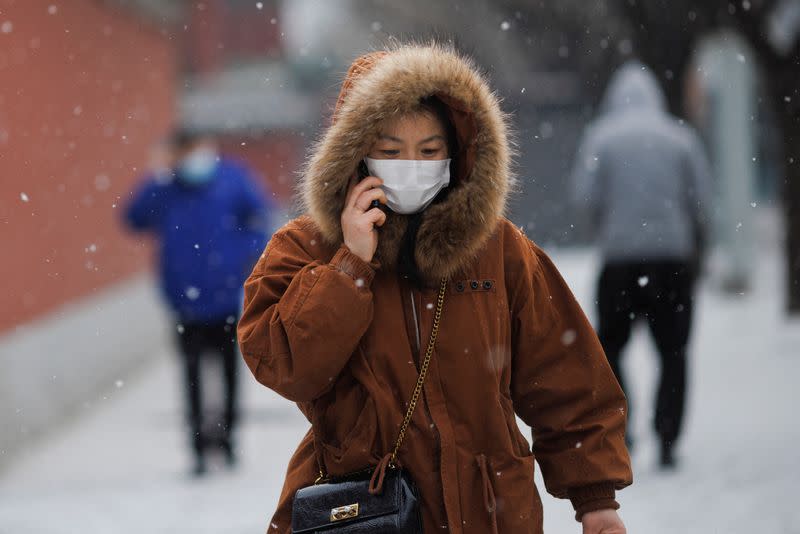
420, 356
416, 323
426, 410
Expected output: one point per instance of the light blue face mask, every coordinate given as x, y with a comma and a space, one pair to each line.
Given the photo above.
197, 168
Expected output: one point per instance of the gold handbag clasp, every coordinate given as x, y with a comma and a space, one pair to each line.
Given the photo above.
344, 512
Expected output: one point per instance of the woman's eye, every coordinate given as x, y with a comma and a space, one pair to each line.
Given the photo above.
389, 152
430, 151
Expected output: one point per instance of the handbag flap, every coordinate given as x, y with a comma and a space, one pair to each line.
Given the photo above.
314, 506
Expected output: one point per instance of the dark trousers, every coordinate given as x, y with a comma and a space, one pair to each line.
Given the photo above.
217, 340
659, 292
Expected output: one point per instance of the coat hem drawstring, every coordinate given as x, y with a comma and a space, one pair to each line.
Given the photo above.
489, 500
378, 476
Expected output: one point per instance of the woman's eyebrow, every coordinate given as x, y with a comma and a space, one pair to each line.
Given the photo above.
432, 138
385, 137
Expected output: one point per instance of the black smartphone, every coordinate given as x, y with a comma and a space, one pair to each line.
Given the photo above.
363, 172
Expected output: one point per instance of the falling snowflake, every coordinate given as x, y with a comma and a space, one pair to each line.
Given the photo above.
259, 5
505, 25
24, 197
119, 383
102, 182
568, 337
643, 281
6, 27
192, 293
53, 9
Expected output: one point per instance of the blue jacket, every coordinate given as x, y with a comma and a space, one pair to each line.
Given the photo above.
210, 236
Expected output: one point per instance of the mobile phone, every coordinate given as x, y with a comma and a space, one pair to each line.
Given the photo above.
363, 172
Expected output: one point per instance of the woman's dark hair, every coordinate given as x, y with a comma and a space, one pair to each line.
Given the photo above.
433, 105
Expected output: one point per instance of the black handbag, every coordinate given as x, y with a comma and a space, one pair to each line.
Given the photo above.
379, 500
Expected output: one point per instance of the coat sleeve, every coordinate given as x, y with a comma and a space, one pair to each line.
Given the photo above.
253, 211
698, 189
564, 388
586, 192
255, 203
147, 207
303, 318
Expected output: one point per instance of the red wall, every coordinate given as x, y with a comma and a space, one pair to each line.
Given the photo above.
84, 90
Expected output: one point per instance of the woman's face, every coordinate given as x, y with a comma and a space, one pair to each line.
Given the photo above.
413, 136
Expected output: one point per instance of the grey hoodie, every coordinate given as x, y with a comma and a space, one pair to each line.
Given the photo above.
642, 175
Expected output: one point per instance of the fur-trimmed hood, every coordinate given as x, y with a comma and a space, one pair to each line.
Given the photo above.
386, 84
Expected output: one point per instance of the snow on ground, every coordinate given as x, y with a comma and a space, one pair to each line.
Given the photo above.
122, 467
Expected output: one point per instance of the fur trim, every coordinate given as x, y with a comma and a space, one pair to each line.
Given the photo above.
454, 230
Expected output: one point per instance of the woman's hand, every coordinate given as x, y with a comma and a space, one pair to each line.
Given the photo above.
602, 522
359, 221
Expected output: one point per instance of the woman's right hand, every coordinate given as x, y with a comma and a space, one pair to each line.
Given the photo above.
359, 220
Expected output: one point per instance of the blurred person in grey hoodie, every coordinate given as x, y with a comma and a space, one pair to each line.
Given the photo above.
643, 178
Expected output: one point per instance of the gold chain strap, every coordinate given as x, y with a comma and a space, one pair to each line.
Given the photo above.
423, 370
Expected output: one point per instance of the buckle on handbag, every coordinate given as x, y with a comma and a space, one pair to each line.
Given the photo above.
344, 512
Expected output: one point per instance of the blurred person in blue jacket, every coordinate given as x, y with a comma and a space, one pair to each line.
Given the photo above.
210, 219
643, 177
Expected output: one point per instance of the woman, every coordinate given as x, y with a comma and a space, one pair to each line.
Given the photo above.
339, 310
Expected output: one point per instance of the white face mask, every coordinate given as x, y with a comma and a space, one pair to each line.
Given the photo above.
410, 185
198, 166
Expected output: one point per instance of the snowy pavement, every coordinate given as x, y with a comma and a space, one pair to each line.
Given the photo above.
122, 467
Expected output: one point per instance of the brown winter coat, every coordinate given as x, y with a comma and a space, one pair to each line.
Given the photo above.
342, 337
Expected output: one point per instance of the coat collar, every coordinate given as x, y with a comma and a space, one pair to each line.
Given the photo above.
452, 231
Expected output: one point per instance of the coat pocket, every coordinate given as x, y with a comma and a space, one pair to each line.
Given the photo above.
352, 451
521, 446
509, 492
487, 487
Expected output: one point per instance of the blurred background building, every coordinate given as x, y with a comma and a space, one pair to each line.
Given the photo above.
86, 87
